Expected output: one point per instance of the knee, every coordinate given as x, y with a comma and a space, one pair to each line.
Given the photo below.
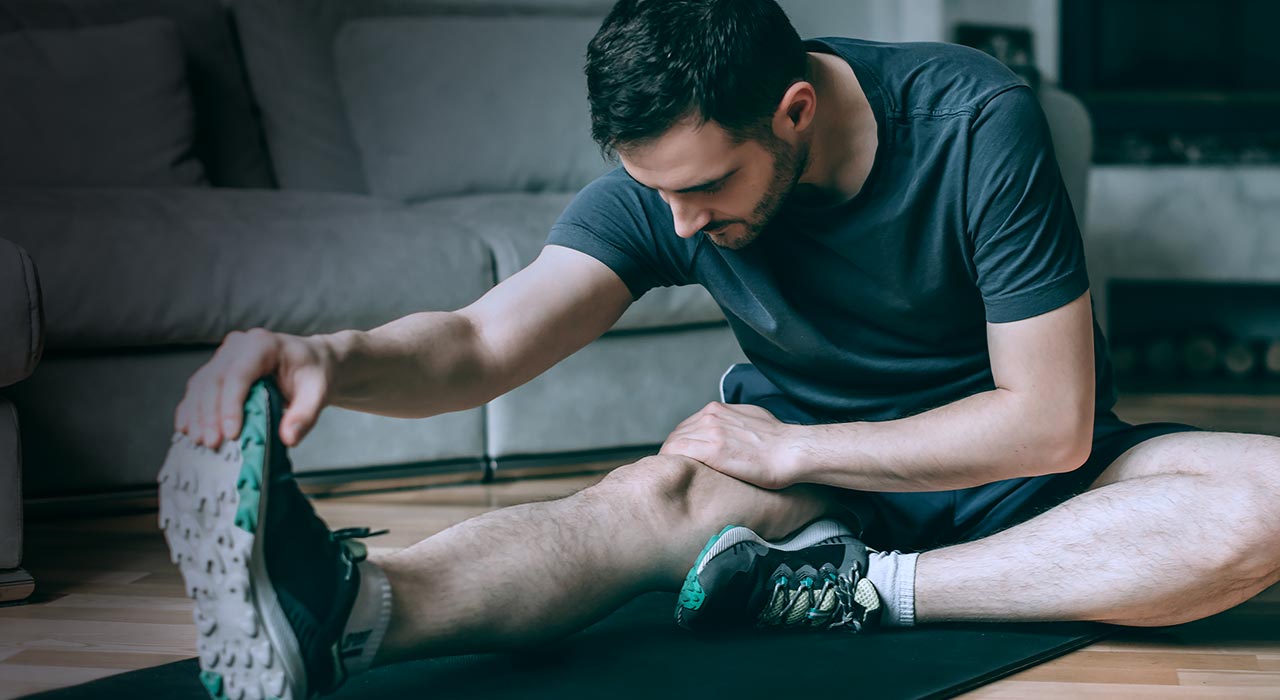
1261, 464
677, 489
659, 479
650, 490
1248, 547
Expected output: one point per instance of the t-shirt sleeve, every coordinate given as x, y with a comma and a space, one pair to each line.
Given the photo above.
1027, 250
614, 221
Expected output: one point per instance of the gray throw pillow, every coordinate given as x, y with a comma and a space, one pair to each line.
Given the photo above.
96, 106
288, 46
229, 141
433, 116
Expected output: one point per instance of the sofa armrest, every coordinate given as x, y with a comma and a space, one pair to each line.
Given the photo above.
10, 488
21, 314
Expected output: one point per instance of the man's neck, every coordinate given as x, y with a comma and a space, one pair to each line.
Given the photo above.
844, 141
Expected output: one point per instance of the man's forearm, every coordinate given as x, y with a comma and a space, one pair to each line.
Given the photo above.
982, 438
420, 365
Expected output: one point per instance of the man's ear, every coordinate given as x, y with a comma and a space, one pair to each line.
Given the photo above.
796, 109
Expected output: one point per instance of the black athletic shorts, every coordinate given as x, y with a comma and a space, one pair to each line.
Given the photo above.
912, 522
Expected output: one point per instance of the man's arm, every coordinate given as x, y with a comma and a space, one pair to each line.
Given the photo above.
1038, 419
434, 362
1029, 264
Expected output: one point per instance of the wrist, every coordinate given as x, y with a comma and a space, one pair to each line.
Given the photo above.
799, 460
335, 348
826, 453
335, 351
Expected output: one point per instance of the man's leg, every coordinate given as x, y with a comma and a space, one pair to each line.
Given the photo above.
539, 571
1179, 527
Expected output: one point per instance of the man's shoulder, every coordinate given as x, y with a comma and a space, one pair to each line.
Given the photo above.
614, 194
924, 79
616, 204
628, 227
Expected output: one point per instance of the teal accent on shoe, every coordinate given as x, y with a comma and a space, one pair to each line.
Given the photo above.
212, 683
253, 450
691, 593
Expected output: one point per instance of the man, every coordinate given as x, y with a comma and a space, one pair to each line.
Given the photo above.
926, 419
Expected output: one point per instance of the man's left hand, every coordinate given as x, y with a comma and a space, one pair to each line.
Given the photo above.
744, 441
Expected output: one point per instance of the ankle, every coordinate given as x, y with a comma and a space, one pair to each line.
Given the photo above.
894, 576
368, 621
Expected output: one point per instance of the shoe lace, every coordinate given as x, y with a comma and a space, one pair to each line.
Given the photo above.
831, 606
355, 550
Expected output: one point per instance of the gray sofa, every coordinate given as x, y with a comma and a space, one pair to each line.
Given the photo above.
339, 190
361, 161
21, 345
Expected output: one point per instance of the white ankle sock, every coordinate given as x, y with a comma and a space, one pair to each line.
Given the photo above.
369, 618
894, 576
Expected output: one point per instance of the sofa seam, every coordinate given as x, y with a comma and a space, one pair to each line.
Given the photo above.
35, 312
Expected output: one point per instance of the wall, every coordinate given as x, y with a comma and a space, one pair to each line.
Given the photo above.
880, 20
1040, 16
928, 20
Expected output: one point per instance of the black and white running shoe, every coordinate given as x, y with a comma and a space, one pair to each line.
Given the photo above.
273, 587
814, 579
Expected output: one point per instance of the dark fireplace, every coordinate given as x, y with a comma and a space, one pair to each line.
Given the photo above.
1195, 337
1176, 81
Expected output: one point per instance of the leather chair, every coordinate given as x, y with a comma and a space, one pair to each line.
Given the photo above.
21, 345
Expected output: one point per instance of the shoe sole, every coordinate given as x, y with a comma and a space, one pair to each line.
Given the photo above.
691, 593
211, 506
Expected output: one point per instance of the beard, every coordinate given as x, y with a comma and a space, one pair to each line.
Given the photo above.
788, 165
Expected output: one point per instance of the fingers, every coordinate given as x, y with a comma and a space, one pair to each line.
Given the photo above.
231, 393
207, 410
304, 408
211, 409
182, 417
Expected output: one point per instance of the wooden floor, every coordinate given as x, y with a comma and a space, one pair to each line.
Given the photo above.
108, 600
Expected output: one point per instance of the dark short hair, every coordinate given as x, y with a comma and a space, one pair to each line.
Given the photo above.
655, 62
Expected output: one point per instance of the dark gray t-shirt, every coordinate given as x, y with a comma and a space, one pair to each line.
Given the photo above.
875, 308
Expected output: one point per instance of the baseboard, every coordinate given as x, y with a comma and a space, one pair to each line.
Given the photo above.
16, 585
563, 464
361, 480
334, 482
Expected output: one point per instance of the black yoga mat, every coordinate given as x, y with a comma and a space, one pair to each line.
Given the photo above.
639, 652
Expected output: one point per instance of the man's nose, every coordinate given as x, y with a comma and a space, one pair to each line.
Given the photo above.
689, 218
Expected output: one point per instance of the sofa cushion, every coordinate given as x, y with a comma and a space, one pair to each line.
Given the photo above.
21, 314
144, 267
430, 119
228, 139
95, 422
97, 106
288, 46
515, 227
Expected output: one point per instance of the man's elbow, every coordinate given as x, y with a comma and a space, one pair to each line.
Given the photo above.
1070, 445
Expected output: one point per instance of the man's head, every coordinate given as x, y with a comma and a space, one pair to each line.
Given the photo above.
704, 101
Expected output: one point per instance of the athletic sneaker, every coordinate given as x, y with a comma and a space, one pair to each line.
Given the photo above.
273, 586
812, 580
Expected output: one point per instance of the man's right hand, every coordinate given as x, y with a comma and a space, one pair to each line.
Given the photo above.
210, 412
